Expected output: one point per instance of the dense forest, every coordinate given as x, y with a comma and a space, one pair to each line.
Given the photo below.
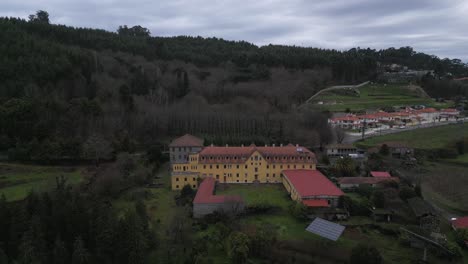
76, 93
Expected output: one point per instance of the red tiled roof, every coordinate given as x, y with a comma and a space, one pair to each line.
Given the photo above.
316, 203
345, 118
461, 222
311, 183
187, 140
382, 174
271, 154
365, 180
205, 194
427, 110
449, 110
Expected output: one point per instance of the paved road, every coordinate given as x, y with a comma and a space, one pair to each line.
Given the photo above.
351, 138
331, 88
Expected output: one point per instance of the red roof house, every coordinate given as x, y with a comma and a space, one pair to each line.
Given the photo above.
352, 182
206, 202
311, 187
382, 174
461, 222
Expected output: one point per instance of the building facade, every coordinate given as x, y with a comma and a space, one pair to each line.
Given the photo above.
182, 147
244, 164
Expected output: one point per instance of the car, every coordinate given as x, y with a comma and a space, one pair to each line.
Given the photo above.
402, 127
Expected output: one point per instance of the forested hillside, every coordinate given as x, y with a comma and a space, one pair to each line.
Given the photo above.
75, 93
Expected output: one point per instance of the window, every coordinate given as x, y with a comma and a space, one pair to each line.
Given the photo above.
268, 175
193, 186
211, 166
310, 166
274, 166
217, 166
281, 166
256, 169
185, 179
245, 181
177, 186
246, 166
303, 166
294, 166
268, 166
204, 166
237, 181
176, 179
274, 175
289, 166
224, 165
237, 166
217, 176
237, 175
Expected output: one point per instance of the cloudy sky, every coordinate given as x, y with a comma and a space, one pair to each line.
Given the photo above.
437, 27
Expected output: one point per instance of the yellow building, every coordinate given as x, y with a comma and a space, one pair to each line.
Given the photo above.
244, 164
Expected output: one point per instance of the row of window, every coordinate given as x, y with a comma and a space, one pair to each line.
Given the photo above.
267, 166
255, 158
185, 179
193, 186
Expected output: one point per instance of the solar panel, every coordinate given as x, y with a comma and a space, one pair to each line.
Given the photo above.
325, 229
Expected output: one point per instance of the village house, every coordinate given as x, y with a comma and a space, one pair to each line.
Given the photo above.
349, 183
380, 174
398, 149
342, 150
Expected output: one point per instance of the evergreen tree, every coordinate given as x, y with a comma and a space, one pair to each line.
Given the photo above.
80, 253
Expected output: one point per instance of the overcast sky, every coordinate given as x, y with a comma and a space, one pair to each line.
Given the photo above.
438, 27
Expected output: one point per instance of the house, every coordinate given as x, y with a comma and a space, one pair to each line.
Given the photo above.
340, 150
240, 165
398, 149
425, 213
311, 188
206, 202
460, 223
380, 174
180, 148
346, 122
355, 182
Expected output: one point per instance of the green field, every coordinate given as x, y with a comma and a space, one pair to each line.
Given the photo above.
17, 180
424, 138
374, 96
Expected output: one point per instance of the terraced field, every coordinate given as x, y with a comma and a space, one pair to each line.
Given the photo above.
374, 96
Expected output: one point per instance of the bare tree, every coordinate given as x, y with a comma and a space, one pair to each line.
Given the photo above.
339, 134
97, 147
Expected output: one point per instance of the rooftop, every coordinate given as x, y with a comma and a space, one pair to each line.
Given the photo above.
461, 222
205, 194
382, 174
365, 180
311, 183
316, 203
270, 153
187, 140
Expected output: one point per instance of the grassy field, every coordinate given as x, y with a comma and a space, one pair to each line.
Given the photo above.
17, 180
460, 160
424, 138
374, 96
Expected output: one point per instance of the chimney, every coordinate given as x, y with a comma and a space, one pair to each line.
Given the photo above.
212, 144
266, 145
242, 145
227, 145
297, 145
273, 145
281, 144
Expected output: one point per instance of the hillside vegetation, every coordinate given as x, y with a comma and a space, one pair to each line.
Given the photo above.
77, 93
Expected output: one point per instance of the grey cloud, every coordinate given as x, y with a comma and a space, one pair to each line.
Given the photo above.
432, 26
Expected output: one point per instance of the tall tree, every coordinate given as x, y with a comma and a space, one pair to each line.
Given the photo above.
41, 16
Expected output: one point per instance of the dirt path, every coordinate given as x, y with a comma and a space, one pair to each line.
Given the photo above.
331, 88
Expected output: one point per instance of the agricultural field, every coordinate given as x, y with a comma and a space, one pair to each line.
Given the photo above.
17, 180
423, 138
374, 96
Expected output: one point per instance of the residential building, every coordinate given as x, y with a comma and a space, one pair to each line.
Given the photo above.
460, 223
341, 150
355, 182
311, 188
398, 149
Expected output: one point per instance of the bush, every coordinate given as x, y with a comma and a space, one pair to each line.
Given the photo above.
407, 192
378, 199
365, 254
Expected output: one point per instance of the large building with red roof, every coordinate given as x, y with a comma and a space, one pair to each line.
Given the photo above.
241, 164
311, 188
180, 148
